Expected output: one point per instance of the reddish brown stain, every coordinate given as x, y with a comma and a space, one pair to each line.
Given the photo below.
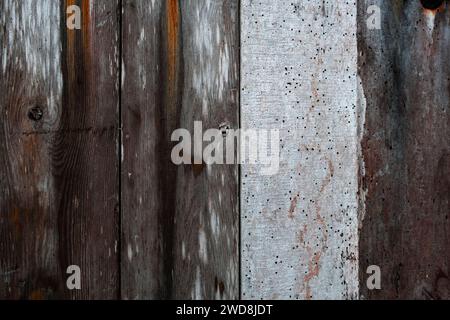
79, 43
291, 212
173, 70
173, 23
314, 253
219, 285
319, 217
301, 236
313, 271
314, 261
70, 42
315, 89
198, 168
16, 220
37, 295
330, 175
86, 25
313, 268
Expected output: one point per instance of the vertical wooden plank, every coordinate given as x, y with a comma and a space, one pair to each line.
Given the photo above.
405, 89
88, 159
180, 224
58, 131
298, 75
30, 78
142, 267
207, 213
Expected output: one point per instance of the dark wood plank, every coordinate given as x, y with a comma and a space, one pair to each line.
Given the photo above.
142, 266
59, 177
180, 224
405, 78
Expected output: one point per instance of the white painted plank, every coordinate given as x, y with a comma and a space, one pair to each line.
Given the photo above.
299, 226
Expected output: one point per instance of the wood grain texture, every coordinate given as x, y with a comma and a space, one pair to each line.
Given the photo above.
298, 75
405, 92
58, 157
180, 224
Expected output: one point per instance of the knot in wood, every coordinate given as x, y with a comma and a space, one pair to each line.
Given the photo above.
35, 113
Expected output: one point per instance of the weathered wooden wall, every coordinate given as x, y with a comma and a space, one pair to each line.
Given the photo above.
180, 224
58, 149
404, 96
299, 226
86, 178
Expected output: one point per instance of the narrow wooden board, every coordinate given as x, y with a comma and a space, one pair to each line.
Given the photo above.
58, 149
405, 98
298, 75
180, 223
